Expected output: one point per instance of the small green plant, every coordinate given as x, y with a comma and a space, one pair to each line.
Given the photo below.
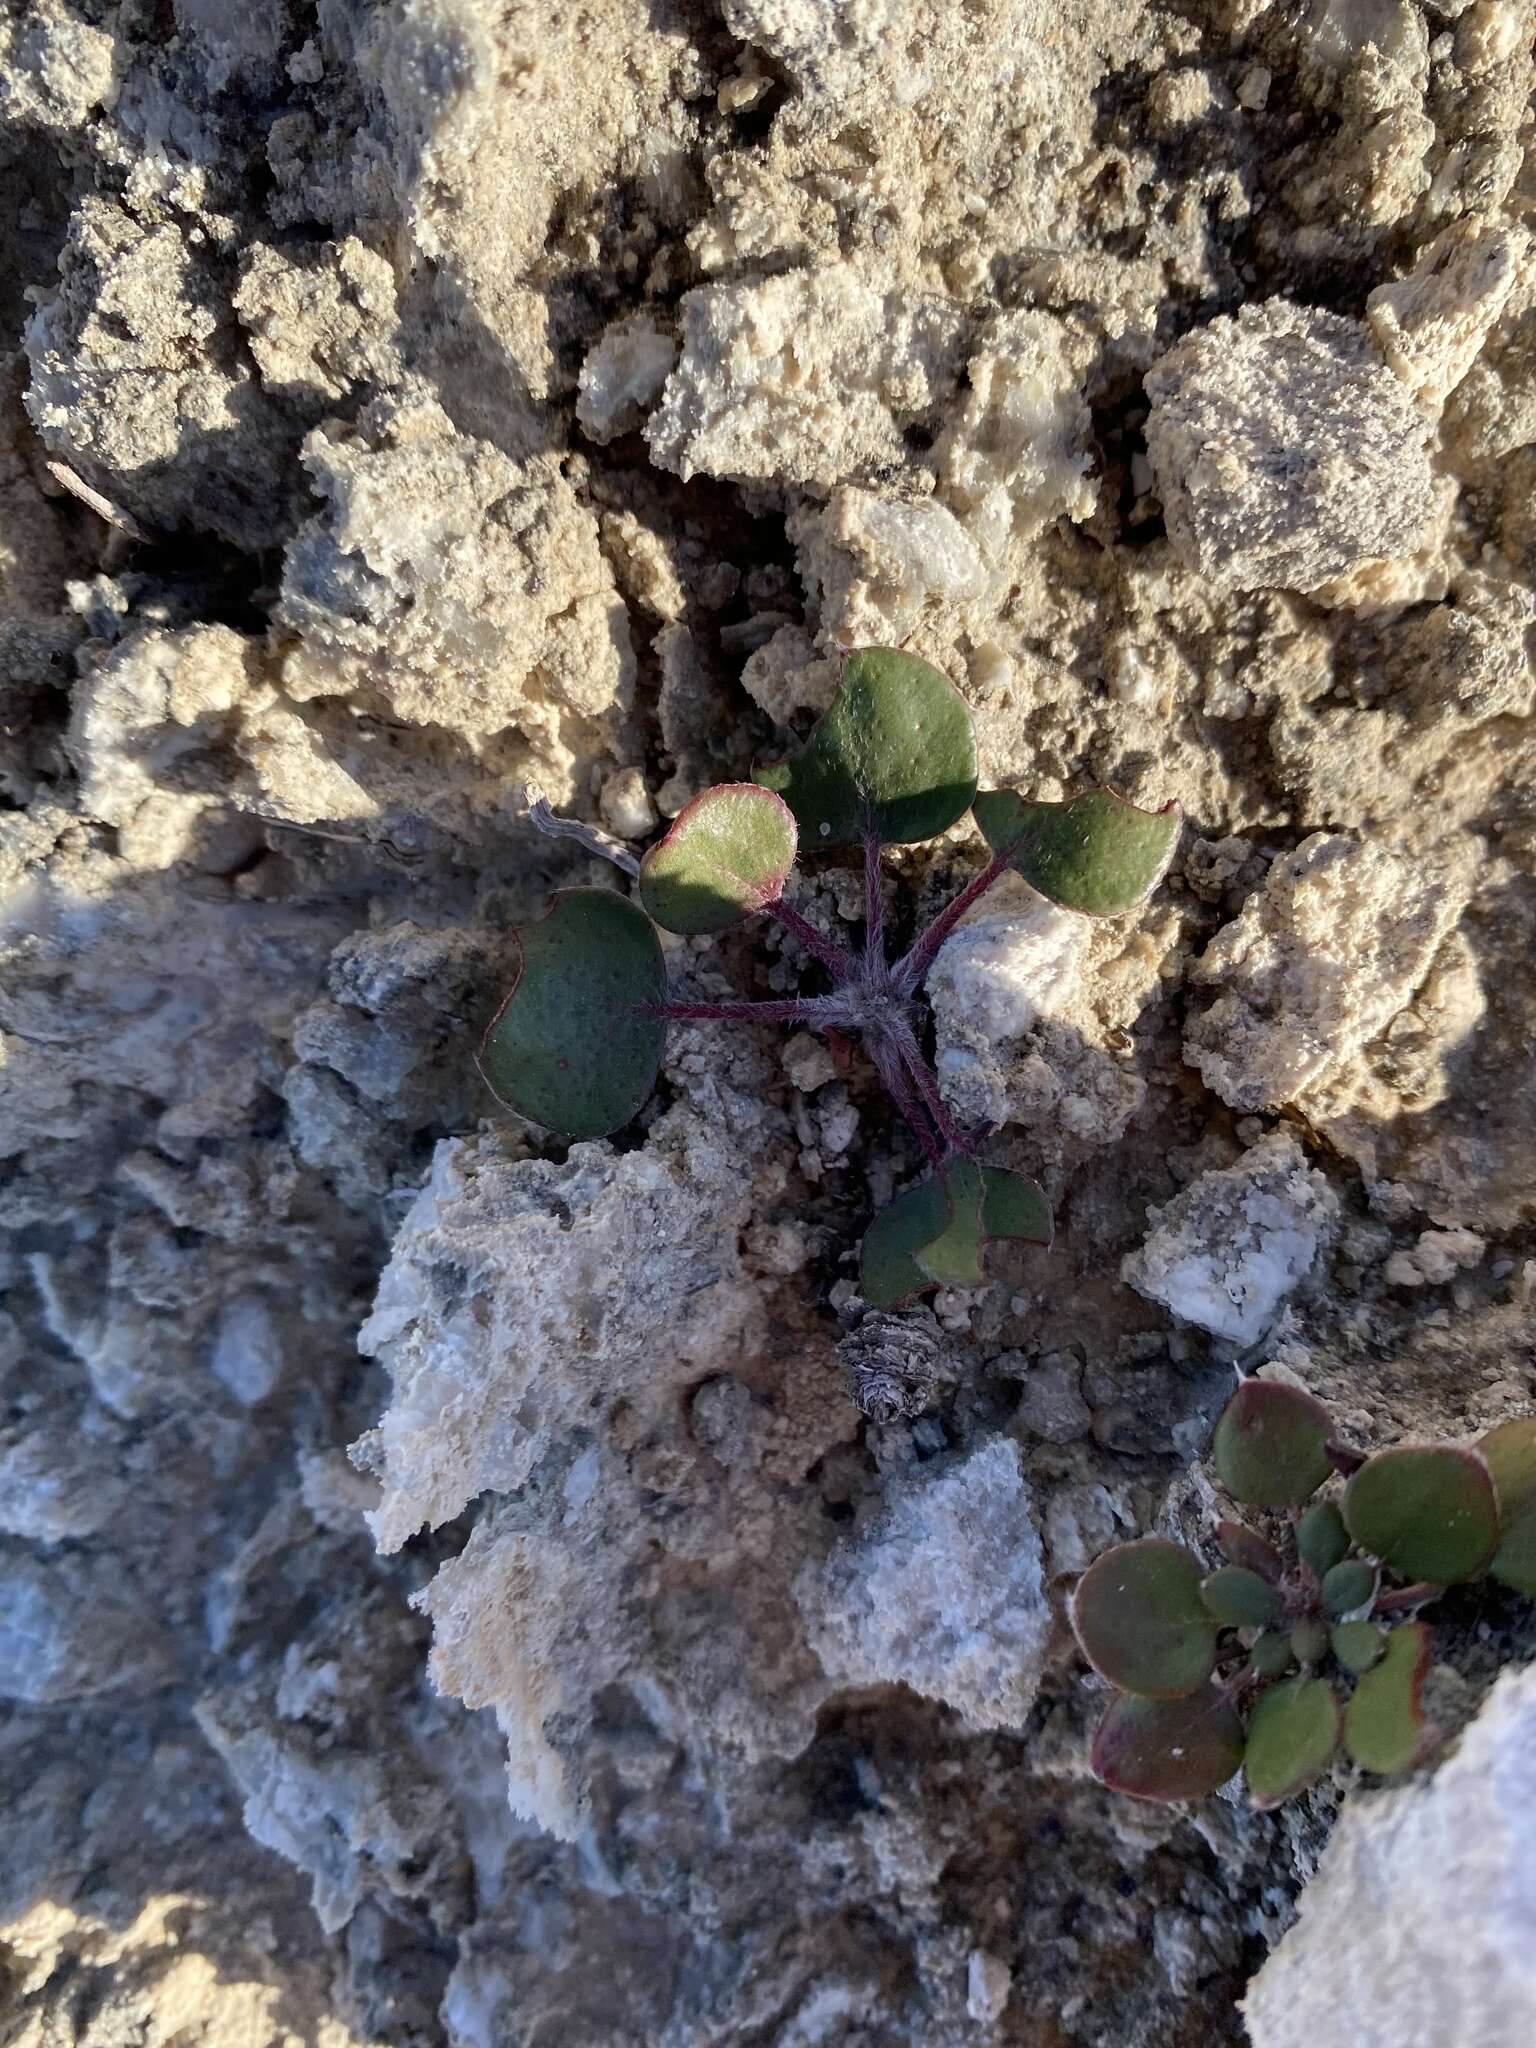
577, 1043
1249, 1665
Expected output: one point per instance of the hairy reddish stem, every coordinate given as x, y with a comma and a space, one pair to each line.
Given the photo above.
911, 1057
838, 962
798, 1010
910, 969
888, 1066
874, 906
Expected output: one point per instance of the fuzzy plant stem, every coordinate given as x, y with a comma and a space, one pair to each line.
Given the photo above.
874, 909
839, 963
910, 1054
797, 1010
910, 969
888, 1065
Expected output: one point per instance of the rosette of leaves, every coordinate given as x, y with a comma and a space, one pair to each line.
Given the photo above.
576, 1045
1298, 1645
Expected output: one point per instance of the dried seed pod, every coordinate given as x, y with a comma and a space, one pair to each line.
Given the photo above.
893, 1363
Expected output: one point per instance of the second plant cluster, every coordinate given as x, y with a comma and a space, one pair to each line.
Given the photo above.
1304, 1638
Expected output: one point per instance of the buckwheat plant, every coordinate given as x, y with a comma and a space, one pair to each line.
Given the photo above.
1296, 1645
577, 1043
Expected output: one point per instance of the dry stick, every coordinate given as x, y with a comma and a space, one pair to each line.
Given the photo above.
838, 963
909, 970
1405, 1596
553, 826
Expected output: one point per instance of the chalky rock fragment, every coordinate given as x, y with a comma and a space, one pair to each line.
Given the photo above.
1286, 451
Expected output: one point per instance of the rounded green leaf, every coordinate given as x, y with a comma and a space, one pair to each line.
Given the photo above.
1141, 1622
1292, 1735
727, 854
1270, 1447
1095, 853
1348, 1588
1321, 1537
1239, 1598
1356, 1644
1309, 1642
1241, 1546
894, 757
1509, 1452
936, 1235
1428, 1511
1384, 1725
888, 1270
572, 1047
1271, 1656
1168, 1749
953, 1258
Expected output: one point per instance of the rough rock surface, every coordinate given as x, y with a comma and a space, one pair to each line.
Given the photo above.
1286, 451
1409, 1931
399, 404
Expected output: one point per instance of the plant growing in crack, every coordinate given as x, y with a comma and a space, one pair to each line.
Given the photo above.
1248, 1665
578, 1041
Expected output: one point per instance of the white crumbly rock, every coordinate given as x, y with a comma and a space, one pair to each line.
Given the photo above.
517, 1289
140, 382
828, 46
1230, 1249
55, 68
467, 590
1431, 325
1015, 456
1437, 1257
988, 1981
626, 804
1416, 1927
1286, 452
1032, 1008
1318, 964
942, 1592
877, 561
808, 379
622, 377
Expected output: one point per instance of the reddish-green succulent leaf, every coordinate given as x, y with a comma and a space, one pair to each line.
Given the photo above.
936, 1234
1428, 1511
1271, 1656
1292, 1735
1321, 1537
1270, 1447
1384, 1725
888, 1270
727, 854
572, 1047
1309, 1642
1168, 1749
1356, 1644
1141, 1622
1094, 853
1349, 1588
1239, 1598
1242, 1546
894, 757
1509, 1452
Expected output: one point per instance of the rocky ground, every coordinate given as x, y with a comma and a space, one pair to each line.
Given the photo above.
449, 1596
